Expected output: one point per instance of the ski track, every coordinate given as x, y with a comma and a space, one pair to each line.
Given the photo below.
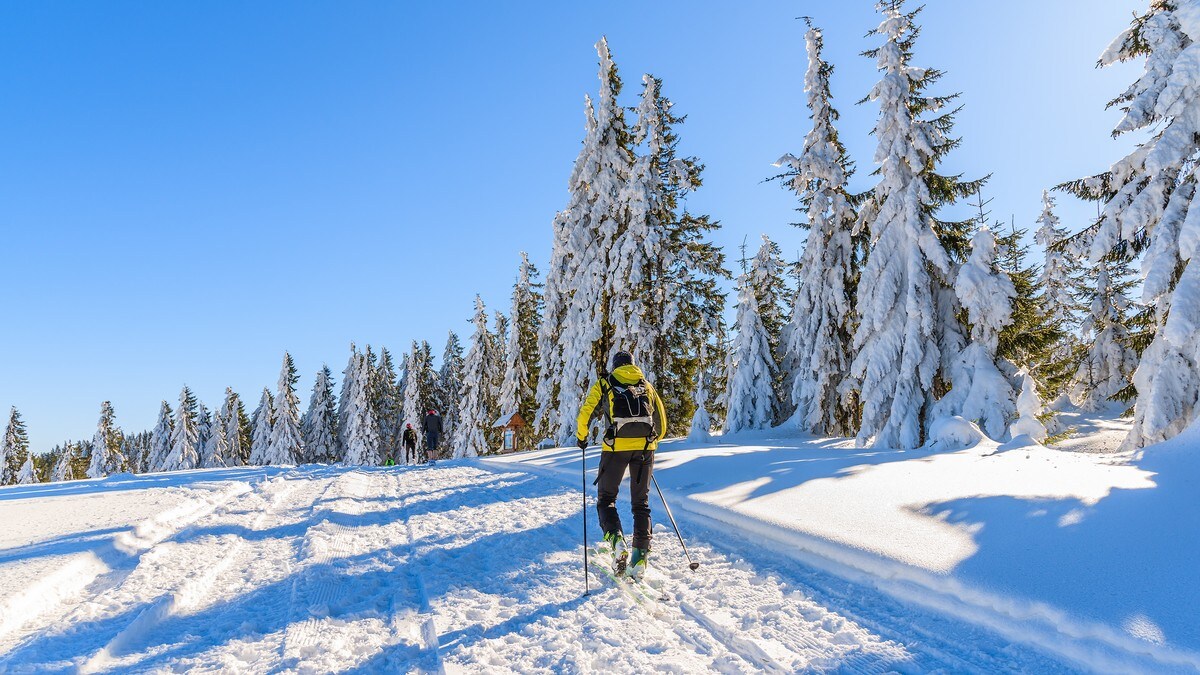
465, 567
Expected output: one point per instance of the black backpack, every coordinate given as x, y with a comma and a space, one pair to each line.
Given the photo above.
632, 413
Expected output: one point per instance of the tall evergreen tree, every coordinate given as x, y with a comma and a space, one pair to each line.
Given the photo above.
584, 241
262, 420
822, 322
286, 445
450, 384
160, 439
204, 422
767, 280
63, 471
1060, 274
1033, 340
520, 353
909, 330
320, 422
215, 451
1108, 361
106, 446
14, 451
388, 400
1149, 200
980, 390
360, 431
469, 439
752, 370
239, 432
184, 435
419, 387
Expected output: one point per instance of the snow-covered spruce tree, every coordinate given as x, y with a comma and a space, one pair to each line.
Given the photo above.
320, 422
1034, 340
676, 303
63, 470
1107, 361
15, 449
204, 422
450, 384
1060, 273
27, 474
822, 322
701, 427
262, 420
767, 280
360, 431
215, 450
388, 400
184, 435
751, 396
495, 370
980, 391
419, 389
596, 216
160, 439
908, 331
239, 432
520, 353
106, 446
286, 444
1149, 198
469, 439
344, 396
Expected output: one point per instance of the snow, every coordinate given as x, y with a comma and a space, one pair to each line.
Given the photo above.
815, 556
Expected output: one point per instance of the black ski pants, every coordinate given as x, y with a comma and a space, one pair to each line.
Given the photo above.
613, 465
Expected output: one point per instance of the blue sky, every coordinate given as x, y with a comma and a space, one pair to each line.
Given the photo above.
189, 189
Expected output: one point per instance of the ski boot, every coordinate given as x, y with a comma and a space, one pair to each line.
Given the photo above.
637, 564
620, 554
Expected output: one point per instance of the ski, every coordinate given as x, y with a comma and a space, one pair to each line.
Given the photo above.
638, 590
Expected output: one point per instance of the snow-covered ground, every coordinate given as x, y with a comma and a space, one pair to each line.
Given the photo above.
814, 557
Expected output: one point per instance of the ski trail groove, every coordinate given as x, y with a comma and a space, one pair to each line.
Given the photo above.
49, 600
416, 580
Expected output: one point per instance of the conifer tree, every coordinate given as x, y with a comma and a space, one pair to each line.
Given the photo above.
286, 444
360, 431
27, 475
520, 353
1060, 274
469, 439
204, 423
701, 427
1108, 362
238, 430
450, 384
980, 391
822, 321
262, 421
320, 422
388, 400
419, 388
160, 439
15, 449
1029, 410
106, 457
184, 435
585, 235
908, 331
215, 451
63, 471
752, 371
494, 360
1034, 339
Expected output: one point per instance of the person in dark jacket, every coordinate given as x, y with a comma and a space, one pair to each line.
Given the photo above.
433, 432
409, 440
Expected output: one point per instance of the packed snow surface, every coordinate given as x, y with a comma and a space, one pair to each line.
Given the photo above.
814, 556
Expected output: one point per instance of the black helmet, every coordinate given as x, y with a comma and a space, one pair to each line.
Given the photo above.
622, 359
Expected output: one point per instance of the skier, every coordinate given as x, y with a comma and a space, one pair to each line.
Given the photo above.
433, 430
410, 444
635, 422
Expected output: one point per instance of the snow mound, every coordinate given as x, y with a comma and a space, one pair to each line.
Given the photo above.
953, 433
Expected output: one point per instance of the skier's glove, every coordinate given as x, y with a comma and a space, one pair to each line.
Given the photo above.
582, 443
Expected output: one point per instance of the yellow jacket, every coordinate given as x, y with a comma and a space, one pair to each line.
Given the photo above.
625, 375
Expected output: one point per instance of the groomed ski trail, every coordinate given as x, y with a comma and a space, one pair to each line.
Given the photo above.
469, 567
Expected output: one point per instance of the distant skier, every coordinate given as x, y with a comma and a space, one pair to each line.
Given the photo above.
433, 431
635, 421
409, 440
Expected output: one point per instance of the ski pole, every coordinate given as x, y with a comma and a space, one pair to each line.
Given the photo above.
692, 565
587, 589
